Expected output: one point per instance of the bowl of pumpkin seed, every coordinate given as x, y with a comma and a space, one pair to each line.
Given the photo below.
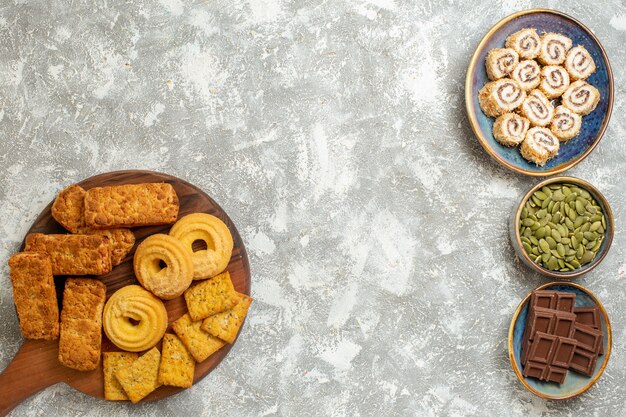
563, 227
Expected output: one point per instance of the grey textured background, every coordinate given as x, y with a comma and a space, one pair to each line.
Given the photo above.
334, 134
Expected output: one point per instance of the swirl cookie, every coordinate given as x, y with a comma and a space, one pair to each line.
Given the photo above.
499, 97
566, 124
554, 47
214, 233
539, 145
525, 42
510, 129
134, 320
537, 108
579, 63
527, 74
500, 62
581, 98
163, 266
554, 81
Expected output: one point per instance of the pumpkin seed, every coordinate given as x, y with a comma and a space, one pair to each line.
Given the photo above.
528, 222
595, 226
587, 257
540, 233
545, 247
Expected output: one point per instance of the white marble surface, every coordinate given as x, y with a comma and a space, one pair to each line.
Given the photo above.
335, 136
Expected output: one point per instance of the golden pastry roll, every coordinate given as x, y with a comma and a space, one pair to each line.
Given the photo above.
34, 295
131, 205
73, 254
81, 323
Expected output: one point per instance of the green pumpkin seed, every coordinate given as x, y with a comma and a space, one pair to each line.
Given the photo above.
550, 205
540, 195
566, 240
584, 194
587, 257
527, 248
551, 242
545, 257
545, 247
540, 233
580, 252
534, 240
580, 208
571, 197
553, 263
571, 214
590, 235
535, 226
595, 218
575, 242
560, 249
585, 227
536, 200
556, 235
596, 248
556, 218
600, 230
575, 263
555, 253
595, 226
536, 251
558, 195
528, 222
590, 245
566, 190
541, 213
591, 209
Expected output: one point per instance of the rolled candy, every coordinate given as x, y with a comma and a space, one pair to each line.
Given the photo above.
499, 97
581, 97
554, 81
579, 63
554, 48
539, 146
500, 62
537, 109
566, 124
510, 129
525, 42
527, 74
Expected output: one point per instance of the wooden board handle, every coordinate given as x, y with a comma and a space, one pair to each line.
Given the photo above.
33, 368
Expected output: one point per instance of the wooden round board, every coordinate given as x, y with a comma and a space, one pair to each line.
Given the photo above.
35, 366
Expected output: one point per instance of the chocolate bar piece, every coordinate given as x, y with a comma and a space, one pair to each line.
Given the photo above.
583, 362
545, 372
563, 352
589, 316
564, 324
558, 323
565, 301
543, 298
549, 357
588, 338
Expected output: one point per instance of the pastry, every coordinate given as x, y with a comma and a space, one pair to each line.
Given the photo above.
579, 63
73, 254
527, 74
566, 124
226, 325
214, 233
554, 48
581, 97
211, 297
177, 364
163, 266
34, 295
525, 42
134, 320
68, 208
554, 81
500, 62
537, 109
121, 241
111, 363
81, 323
539, 146
499, 97
510, 129
130, 205
198, 342
141, 378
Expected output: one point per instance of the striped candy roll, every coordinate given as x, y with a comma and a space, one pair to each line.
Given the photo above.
499, 97
500, 62
554, 48
566, 124
528, 74
510, 129
579, 63
581, 98
525, 42
539, 146
554, 81
537, 109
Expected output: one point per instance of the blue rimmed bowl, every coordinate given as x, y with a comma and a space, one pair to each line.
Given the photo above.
594, 124
575, 383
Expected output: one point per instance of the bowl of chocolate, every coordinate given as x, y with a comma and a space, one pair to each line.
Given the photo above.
559, 340
562, 227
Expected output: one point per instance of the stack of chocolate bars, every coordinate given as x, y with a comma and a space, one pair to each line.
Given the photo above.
560, 336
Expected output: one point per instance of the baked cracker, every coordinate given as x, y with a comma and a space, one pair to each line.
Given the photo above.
113, 362
177, 364
141, 378
210, 297
199, 343
226, 325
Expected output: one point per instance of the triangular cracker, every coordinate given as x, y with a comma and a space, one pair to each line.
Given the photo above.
226, 325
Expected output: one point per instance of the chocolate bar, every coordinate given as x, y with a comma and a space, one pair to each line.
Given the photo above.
560, 336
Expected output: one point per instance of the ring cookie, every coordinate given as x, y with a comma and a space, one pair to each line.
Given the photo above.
219, 241
163, 266
134, 320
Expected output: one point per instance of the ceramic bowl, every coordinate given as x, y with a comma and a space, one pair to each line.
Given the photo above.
604, 248
593, 125
575, 383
